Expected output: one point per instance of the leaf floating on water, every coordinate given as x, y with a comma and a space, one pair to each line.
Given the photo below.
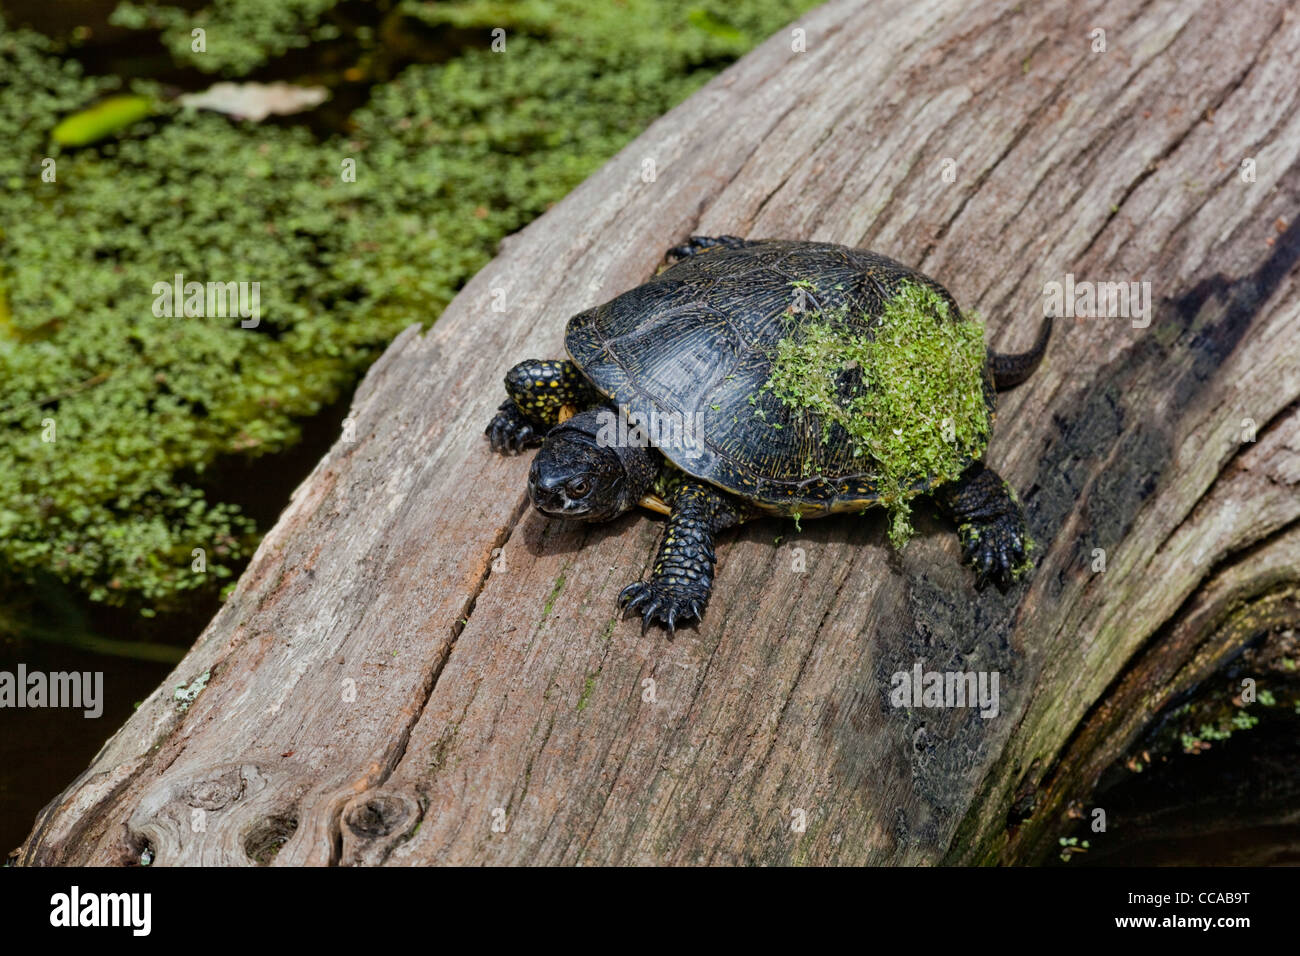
257, 101
102, 120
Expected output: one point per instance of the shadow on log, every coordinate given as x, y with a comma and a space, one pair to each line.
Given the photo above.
416, 668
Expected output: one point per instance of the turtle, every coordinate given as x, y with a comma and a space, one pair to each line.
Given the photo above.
670, 398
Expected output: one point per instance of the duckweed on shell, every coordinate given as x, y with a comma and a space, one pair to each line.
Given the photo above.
920, 411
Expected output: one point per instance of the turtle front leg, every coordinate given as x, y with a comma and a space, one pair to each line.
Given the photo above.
539, 390
990, 526
679, 586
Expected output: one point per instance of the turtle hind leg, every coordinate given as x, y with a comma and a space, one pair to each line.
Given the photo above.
697, 244
540, 390
682, 580
990, 526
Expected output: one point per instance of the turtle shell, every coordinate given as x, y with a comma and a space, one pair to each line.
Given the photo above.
691, 350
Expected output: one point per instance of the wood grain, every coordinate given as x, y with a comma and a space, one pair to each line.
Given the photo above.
413, 656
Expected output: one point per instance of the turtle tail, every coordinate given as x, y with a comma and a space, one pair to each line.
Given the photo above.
1011, 370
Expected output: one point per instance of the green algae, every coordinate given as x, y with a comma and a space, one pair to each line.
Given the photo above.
919, 414
449, 158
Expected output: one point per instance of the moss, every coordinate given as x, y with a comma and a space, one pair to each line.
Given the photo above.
587, 688
550, 598
1027, 563
450, 157
185, 695
918, 417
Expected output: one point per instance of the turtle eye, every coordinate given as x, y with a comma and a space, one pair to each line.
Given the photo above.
578, 487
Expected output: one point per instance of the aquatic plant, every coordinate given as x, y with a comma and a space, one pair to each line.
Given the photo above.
111, 416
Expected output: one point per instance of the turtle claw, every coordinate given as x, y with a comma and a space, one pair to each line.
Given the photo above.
667, 604
995, 550
648, 616
509, 432
631, 596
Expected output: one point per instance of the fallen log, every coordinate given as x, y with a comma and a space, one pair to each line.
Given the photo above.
417, 668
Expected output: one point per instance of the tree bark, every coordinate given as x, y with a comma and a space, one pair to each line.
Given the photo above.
417, 668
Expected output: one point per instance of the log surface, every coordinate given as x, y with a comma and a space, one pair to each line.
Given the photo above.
416, 668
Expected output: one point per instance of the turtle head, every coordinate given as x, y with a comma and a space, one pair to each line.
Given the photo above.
581, 473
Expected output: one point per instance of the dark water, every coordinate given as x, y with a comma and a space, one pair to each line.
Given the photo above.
42, 751
1236, 804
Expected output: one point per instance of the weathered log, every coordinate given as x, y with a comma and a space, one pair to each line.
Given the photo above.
417, 668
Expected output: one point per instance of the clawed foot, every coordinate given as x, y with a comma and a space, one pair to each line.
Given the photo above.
509, 432
997, 549
668, 604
